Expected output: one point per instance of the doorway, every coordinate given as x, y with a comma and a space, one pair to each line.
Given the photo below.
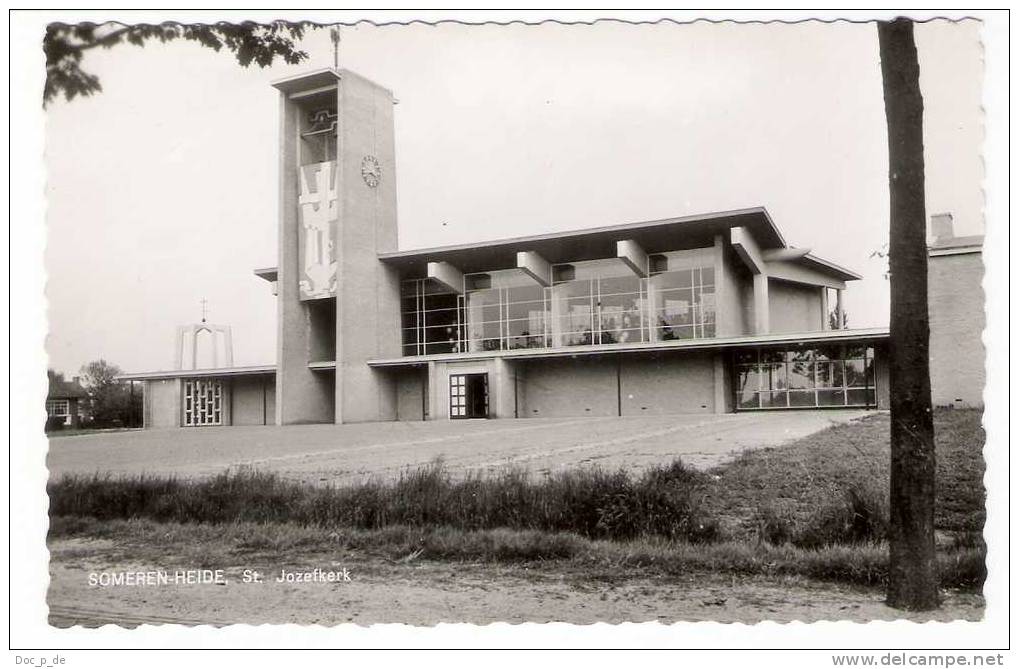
468, 396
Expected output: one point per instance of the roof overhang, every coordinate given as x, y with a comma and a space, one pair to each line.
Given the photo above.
270, 274
828, 267
305, 81
254, 370
858, 335
668, 234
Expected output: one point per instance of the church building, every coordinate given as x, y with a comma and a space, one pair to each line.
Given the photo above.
710, 313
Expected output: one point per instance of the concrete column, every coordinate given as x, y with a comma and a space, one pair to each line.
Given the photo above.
721, 383
434, 391
825, 325
840, 314
762, 320
227, 409
146, 403
178, 402
502, 387
725, 323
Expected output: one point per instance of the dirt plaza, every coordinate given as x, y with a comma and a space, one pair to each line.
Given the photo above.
349, 453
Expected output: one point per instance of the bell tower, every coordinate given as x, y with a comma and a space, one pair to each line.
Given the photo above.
338, 305
189, 348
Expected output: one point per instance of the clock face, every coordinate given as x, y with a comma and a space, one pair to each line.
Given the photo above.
371, 171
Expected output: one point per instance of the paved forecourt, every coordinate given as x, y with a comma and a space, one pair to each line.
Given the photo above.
345, 453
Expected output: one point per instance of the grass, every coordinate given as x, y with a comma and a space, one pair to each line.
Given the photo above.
805, 488
815, 508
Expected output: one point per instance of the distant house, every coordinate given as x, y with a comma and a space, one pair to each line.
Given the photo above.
65, 400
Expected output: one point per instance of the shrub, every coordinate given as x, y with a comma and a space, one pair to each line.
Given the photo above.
590, 502
774, 526
855, 514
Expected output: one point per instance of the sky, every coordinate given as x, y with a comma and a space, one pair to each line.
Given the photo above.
162, 189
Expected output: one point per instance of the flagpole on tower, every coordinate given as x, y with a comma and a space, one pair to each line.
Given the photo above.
334, 34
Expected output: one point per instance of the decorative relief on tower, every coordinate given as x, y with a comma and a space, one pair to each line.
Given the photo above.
371, 171
317, 232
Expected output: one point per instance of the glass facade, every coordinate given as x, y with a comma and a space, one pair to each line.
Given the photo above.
823, 376
683, 296
589, 303
430, 318
598, 302
505, 310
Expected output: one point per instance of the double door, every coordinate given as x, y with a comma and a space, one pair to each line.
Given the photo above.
468, 396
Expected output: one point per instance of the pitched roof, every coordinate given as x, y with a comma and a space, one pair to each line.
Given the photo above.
61, 389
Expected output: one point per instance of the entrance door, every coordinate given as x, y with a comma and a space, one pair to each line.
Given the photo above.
468, 395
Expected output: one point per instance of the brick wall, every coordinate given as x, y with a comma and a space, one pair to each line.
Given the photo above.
956, 302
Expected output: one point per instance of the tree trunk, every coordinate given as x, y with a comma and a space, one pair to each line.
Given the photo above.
912, 570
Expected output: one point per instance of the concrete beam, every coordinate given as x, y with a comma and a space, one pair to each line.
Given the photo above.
762, 318
633, 256
747, 249
448, 275
535, 267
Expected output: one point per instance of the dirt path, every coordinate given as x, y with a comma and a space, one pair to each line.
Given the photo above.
347, 453
427, 593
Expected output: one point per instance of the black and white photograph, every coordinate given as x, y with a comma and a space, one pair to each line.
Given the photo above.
350, 322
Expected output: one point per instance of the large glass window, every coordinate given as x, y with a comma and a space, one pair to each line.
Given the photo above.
573, 304
593, 302
598, 302
832, 317
620, 309
430, 318
484, 315
805, 377
505, 309
682, 290
526, 316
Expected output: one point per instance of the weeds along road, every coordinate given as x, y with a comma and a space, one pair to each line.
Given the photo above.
348, 453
